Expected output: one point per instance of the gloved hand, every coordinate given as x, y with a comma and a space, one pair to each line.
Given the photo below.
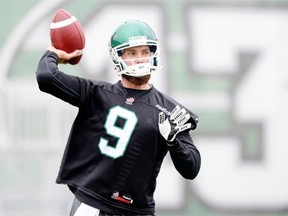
171, 126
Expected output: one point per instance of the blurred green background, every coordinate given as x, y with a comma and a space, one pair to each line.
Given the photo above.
225, 60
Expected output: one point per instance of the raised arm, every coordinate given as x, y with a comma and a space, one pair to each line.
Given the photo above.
55, 82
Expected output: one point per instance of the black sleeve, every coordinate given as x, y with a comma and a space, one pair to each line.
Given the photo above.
185, 156
51, 80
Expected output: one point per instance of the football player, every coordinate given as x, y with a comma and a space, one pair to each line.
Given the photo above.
123, 130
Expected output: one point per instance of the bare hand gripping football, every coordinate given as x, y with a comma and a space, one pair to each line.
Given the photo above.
171, 126
67, 34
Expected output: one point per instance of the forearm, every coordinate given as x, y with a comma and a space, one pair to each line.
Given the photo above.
55, 82
186, 157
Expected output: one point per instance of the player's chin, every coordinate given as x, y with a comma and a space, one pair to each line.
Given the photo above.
137, 80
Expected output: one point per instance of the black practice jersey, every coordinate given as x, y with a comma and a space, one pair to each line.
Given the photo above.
115, 150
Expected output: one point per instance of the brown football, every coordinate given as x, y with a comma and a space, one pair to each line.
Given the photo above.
66, 33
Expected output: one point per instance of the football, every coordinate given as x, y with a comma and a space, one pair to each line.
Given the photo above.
66, 33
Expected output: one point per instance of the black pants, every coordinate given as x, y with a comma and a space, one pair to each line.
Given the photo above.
77, 203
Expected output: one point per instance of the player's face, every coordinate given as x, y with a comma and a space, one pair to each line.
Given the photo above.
136, 55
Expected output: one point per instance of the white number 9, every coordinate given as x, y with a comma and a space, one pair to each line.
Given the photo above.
122, 133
